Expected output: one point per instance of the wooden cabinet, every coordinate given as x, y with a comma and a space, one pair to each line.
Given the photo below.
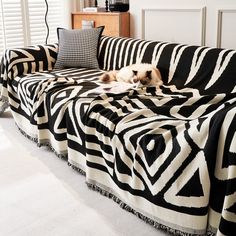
116, 23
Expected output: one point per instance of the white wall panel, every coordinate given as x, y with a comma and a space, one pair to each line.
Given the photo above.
188, 25
217, 29
226, 36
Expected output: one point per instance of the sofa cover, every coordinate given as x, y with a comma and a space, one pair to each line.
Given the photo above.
167, 155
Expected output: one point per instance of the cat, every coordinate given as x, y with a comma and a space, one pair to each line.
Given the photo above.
142, 74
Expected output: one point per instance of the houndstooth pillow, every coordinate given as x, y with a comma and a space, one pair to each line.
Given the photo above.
78, 48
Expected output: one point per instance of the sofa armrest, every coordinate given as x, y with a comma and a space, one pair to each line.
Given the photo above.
20, 61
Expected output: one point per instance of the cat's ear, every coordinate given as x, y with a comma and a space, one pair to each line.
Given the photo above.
135, 72
148, 73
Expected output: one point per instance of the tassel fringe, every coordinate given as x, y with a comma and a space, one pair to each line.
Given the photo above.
113, 197
3, 105
141, 216
46, 144
61, 156
82, 172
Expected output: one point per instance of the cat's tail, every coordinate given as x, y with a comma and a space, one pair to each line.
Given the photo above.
108, 76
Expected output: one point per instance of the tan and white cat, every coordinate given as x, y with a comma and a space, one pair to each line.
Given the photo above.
141, 74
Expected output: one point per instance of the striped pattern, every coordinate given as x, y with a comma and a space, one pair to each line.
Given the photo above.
22, 61
210, 70
167, 155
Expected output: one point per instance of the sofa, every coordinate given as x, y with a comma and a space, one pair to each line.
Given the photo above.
167, 155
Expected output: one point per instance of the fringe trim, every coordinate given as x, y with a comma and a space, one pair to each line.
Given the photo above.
211, 231
141, 216
4, 99
61, 156
46, 144
112, 196
4, 104
82, 172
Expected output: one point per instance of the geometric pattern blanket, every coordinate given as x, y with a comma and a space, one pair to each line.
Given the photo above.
166, 155
171, 155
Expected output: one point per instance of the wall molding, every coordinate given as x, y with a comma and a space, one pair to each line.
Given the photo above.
202, 12
220, 24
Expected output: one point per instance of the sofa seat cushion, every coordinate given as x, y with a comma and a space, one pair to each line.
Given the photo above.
41, 101
40, 105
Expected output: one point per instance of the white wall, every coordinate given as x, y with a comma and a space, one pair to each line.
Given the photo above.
199, 22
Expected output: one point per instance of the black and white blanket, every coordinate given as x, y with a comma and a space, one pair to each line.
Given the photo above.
171, 154
167, 155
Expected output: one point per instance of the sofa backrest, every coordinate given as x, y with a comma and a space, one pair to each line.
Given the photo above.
211, 70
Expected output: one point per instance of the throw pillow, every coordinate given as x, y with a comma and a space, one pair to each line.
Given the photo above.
78, 48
